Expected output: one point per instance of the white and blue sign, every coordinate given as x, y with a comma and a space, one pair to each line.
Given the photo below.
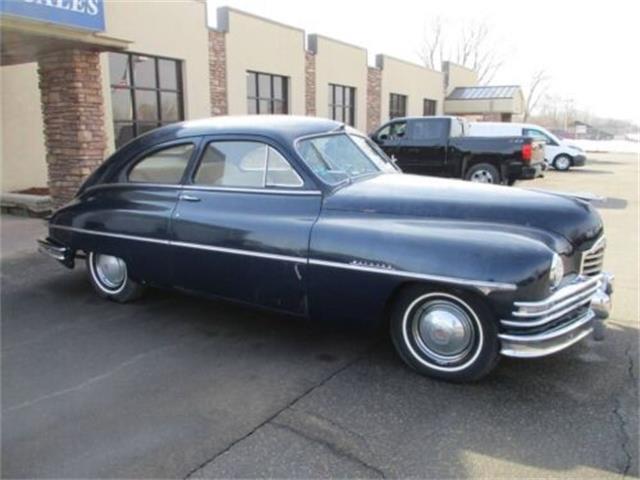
81, 14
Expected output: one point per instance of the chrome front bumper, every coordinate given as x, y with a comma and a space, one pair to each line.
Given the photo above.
541, 328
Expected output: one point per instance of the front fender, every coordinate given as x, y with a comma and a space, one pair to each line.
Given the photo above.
502, 263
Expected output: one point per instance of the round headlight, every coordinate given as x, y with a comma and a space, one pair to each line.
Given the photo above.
557, 271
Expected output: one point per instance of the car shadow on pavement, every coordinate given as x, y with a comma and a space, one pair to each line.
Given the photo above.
159, 387
611, 203
587, 171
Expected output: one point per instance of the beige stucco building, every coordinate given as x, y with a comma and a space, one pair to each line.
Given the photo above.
339, 63
72, 93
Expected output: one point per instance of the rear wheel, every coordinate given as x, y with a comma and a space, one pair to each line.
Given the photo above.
109, 276
444, 335
562, 163
483, 173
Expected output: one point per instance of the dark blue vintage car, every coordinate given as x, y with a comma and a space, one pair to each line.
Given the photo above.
309, 217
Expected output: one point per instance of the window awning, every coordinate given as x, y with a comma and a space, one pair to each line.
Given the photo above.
485, 99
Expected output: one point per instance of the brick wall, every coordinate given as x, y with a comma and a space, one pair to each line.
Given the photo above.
73, 114
310, 83
374, 85
218, 73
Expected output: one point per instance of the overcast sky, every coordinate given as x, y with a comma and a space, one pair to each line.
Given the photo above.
590, 49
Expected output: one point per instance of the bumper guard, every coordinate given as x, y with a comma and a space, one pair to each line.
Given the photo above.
57, 251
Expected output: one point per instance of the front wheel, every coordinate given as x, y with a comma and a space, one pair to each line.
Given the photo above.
483, 173
562, 163
444, 335
110, 279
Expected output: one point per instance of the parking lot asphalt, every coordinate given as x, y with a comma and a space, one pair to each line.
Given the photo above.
174, 386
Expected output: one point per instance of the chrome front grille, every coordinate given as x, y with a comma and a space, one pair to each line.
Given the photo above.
592, 259
560, 308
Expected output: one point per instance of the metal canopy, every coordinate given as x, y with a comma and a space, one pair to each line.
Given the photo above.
484, 93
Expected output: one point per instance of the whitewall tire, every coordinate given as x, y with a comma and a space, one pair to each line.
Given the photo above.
109, 277
451, 336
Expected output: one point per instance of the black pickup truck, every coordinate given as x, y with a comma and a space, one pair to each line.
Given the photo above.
438, 146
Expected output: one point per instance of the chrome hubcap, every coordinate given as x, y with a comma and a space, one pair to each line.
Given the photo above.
443, 331
111, 271
482, 176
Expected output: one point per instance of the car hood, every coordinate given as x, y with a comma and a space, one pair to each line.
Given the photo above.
442, 199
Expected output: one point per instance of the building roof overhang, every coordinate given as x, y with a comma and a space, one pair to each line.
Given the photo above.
23, 41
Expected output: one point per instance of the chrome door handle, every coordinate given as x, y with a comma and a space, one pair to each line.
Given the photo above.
189, 198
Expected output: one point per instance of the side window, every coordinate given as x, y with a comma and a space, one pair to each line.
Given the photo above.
279, 172
538, 135
398, 130
384, 132
162, 166
427, 129
244, 164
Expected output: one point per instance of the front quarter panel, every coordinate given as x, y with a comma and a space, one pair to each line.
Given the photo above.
357, 261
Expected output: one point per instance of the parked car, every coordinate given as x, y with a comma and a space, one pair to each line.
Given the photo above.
557, 153
309, 217
439, 146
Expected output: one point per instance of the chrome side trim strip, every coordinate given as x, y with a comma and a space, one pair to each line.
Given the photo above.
485, 286
185, 244
109, 234
235, 251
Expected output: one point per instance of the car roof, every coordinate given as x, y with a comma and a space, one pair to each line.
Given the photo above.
285, 128
419, 117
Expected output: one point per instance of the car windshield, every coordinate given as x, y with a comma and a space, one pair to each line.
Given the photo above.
336, 158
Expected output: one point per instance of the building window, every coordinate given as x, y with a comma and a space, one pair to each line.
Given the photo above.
146, 92
342, 103
429, 107
397, 105
267, 93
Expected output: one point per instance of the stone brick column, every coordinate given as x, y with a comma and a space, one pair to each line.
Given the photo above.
310, 83
73, 114
218, 72
374, 100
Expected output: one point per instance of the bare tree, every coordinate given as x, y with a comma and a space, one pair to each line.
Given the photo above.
536, 91
474, 48
432, 50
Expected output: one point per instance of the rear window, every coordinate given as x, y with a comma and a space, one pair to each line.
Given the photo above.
165, 166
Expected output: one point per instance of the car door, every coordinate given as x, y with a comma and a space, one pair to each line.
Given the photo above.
424, 147
242, 225
129, 216
390, 137
551, 148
